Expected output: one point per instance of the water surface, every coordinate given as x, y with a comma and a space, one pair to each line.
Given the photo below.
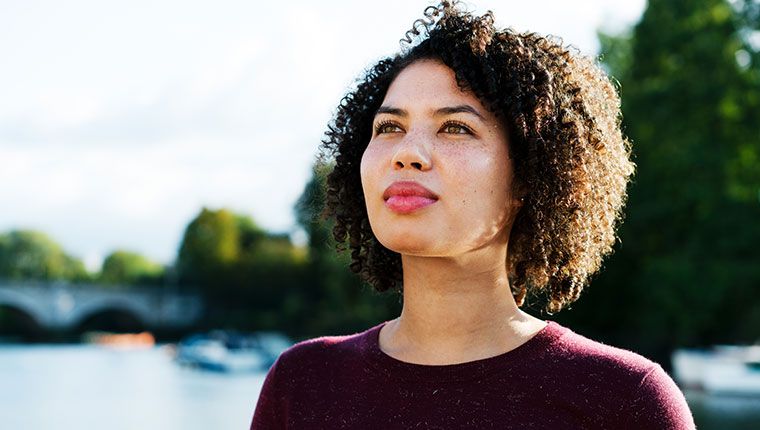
89, 387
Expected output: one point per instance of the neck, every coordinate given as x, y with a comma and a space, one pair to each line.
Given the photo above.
457, 309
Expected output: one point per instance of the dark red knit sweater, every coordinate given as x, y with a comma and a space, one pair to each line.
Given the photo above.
556, 380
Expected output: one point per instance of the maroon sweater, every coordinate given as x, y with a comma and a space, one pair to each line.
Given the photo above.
556, 380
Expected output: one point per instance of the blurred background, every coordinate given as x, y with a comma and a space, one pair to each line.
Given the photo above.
158, 245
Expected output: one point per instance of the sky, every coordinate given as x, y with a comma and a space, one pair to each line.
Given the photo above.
119, 121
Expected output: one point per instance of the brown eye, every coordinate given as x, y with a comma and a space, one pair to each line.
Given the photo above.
455, 128
387, 127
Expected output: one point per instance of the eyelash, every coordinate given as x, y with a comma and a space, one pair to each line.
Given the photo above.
381, 124
461, 125
379, 127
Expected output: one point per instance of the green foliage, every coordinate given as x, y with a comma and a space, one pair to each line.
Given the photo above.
27, 254
244, 272
210, 245
688, 269
129, 268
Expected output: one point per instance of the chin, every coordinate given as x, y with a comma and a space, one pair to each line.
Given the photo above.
410, 244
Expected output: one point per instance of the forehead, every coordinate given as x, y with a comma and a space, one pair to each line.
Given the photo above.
428, 82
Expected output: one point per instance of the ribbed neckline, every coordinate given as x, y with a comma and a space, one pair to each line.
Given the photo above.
395, 368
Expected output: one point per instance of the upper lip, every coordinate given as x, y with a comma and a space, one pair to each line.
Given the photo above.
408, 188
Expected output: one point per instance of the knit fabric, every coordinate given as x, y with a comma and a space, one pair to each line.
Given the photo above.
558, 379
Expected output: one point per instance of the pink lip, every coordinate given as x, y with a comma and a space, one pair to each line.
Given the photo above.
408, 196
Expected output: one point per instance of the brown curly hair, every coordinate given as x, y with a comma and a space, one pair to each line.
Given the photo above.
571, 161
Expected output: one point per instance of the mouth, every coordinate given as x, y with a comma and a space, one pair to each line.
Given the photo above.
407, 204
408, 196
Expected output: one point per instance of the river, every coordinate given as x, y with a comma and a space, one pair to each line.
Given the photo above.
87, 387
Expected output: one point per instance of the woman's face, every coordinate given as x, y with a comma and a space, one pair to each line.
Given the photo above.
436, 174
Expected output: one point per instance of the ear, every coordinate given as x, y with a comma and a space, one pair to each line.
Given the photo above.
515, 205
518, 195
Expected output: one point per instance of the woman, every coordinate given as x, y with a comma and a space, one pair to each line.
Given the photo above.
474, 170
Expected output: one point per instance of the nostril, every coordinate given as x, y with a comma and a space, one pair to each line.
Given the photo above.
417, 165
400, 164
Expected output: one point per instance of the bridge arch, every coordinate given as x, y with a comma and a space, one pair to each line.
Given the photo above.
18, 324
114, 314
16, 301
62, 307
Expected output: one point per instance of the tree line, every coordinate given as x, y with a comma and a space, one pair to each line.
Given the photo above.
33, 255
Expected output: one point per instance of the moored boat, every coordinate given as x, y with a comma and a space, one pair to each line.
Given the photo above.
226, 351
722, 370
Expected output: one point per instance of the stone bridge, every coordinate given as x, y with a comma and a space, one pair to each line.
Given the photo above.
64, 306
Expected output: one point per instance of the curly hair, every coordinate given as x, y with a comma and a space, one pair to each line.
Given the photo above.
571, 161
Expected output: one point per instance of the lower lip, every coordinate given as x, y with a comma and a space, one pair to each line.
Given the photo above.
407, 204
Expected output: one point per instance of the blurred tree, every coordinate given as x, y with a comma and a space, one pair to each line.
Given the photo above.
688, 269
27, 254
129, 268
210, 246
244, 272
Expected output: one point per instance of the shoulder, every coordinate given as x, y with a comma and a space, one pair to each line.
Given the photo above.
644, 395
310, 364
322, 346
574, 349
659, 403
323, 353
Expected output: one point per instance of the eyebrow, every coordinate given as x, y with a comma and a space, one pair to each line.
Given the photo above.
448, 110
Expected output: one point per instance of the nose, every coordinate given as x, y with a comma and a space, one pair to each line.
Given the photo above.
411, 153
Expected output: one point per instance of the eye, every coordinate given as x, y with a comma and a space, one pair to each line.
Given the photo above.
387, 126
455, 127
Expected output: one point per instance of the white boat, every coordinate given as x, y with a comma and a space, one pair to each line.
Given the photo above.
722, 370
224, 351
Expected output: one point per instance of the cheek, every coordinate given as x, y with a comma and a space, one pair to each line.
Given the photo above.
481, 178
366, 166
371, 171
483, 200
